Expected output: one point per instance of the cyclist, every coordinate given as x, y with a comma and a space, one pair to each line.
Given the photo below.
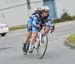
29, 28
37, 23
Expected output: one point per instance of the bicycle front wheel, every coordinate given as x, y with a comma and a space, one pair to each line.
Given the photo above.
42, 47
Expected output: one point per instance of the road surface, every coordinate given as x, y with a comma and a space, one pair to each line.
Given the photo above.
57, 52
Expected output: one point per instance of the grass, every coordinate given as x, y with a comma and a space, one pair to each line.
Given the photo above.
71, 38
23, 26
17, 27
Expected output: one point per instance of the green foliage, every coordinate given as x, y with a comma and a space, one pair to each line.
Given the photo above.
71, 38
65, 17
17, 27
58, 20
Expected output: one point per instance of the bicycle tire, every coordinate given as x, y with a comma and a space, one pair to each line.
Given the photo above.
41, 56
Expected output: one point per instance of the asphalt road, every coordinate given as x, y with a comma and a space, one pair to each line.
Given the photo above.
57, 52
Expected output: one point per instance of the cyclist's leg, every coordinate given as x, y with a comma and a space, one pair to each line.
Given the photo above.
33, 38
28, 34
47, 27
46, 30
26, 39
28, 30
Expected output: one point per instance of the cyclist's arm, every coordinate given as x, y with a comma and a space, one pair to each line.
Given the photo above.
29, 22
49, 22
35, 21
52, 27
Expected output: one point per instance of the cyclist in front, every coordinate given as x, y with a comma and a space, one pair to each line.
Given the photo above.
38, 24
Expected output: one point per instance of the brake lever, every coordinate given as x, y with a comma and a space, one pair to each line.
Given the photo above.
52, 29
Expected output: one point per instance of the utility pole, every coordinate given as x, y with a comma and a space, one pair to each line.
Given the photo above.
28, 4
29, 7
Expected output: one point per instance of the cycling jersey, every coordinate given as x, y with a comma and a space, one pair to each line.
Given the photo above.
29, 24
36, 22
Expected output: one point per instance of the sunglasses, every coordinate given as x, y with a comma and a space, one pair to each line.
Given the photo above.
46, 11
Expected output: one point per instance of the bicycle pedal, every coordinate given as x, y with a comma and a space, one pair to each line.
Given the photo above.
31, 51
36, 47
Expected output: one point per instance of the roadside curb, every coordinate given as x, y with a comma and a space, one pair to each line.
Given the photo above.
17, 27
69, 44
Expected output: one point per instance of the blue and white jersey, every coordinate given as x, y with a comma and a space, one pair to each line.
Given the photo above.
36, 22
48, 21
29, 24
33, 22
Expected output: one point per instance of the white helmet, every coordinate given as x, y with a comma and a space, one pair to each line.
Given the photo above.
45, 8
37, 8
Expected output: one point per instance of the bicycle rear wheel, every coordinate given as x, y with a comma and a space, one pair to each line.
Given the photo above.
42, 47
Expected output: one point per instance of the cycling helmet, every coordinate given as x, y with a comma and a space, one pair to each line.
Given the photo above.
45, 8
37, 8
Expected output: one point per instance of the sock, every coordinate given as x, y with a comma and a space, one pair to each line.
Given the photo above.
24, 44
30, 46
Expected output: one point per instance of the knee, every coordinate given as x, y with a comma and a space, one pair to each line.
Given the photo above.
34, 35
46, 29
